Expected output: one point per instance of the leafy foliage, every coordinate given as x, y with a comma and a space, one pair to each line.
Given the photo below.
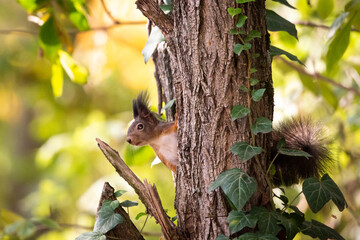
262, 125
239, 220
154, 39
245, 151
239, 112
274, 51
277, 23
317, 229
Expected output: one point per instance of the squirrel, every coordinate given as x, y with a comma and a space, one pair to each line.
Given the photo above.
299, 134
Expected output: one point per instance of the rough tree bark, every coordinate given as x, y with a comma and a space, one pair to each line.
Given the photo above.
205, 76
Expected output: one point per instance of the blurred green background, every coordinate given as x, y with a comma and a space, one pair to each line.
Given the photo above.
50, 165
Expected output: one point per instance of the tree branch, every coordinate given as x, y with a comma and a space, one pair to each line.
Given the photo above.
311, 24
153, 12
147, 193
318, 76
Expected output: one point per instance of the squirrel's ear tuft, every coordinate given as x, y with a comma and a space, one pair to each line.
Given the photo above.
140, 105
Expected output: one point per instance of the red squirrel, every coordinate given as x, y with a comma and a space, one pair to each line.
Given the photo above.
299, 133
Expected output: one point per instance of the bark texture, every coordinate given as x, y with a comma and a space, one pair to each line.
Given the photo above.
206, 76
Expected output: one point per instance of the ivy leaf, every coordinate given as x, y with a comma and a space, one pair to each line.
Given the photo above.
237, 185
317, 229
267, 220
32, 5
281, 144
234, 11
238, 48
317, 193
91, 236
257, 94
23, 228
107, 219
239, 112
274, 51
289, 224
154, 39
244, 89
245, 151
241, 20
253, 81
139, 215
238, 220
253, 34
128, 203
222, 237
338, 46
244, 1
235, 31
57, 78
256, 236
277, 23
262, 125
168, 105
284, 2
166, 8
119, 193
294, 152
77, 15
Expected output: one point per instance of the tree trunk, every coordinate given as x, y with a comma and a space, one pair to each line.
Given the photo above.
206, 76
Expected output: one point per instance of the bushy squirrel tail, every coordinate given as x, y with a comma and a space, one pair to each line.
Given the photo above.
300, 134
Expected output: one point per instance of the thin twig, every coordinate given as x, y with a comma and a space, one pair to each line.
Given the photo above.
318, 76
311, 24
109, 13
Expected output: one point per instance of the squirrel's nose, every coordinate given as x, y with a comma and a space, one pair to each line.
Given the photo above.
128, 140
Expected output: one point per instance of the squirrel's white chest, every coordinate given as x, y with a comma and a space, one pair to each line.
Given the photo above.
166, 145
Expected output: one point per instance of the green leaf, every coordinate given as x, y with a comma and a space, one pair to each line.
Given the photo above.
32, 5
262, 125
294, 152
267, 220
241, 20
274, 51
91, 236
281, 144
234, 11
235, 31
174, 218
257, 94
337, 23
239, 112
317, 193
324, 8
128, 203
238, 220
253, 34
57, 79
166, 8
23, 228
247, 46
154, 39
238, 48
290, 226
244, 88
244, 1
253, 81
107, 219
139, 215
256, 236
253, 70
119, 193
114, 204
76, 72
168, 105
317, 229
327, 93
222, 237
237, 185
245, 151
277, 23
49, 39
338, 46
284, 199
51, 224
284, 2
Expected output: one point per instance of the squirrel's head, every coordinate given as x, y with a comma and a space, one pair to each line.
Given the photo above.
142, 130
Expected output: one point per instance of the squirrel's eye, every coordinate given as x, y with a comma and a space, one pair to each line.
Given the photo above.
140, 126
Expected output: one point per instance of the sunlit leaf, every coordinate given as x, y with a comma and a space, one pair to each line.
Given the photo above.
57, 79
107, 219
49, 39
139, 215
119, 193
154, 39
168, 105
32, 5
316, 229
285, 2
75, 71
324, 8
245, 151
241, 20
237, 185
23, 228
91, 236
337, 23
277, 23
